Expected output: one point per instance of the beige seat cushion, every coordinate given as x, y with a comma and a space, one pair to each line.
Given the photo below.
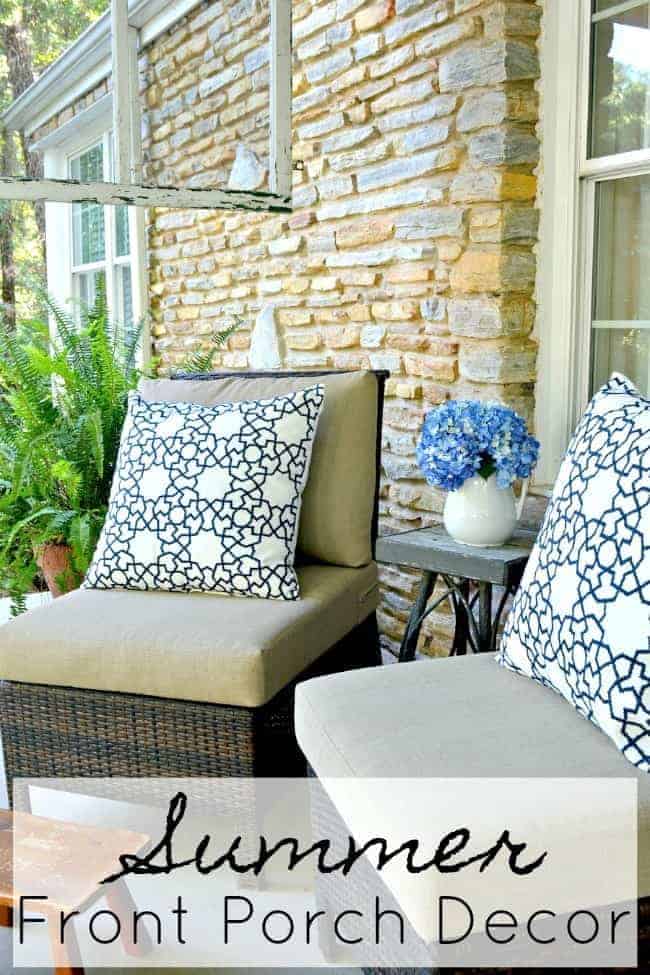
338, 502
189, 646
457, 717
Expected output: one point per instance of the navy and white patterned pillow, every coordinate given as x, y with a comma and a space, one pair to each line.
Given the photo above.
208, 498
580, 623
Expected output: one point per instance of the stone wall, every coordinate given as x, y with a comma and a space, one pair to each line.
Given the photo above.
411, 246
412, 242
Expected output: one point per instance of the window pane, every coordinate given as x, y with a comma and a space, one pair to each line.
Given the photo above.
619, 350
88, 218
122, 242
89, 166
623, 249
620, 95
88, 233
88, 286
622, 280
124, 295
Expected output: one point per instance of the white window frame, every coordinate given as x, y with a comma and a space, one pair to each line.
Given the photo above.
111, 259
566, 252
128, 188
58, 226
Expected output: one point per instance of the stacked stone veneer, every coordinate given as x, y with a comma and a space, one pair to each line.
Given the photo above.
412, 242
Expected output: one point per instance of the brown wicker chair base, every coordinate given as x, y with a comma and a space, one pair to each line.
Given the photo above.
362, 885
63, 731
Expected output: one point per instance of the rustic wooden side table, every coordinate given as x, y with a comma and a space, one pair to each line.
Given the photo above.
74, 859
437, 554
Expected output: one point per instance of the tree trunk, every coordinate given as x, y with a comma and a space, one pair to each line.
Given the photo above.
20, 69
7, 266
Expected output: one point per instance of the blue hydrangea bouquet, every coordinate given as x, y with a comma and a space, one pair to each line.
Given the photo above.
477, 451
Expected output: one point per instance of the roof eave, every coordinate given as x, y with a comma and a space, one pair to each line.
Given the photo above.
84, 59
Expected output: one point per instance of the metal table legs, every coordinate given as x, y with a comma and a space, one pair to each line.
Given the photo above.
414, 625
477, 632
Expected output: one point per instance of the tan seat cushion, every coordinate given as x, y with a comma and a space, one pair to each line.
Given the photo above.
338, 502
189, 646
459, 717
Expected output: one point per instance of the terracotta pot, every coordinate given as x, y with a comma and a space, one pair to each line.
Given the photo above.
55, 562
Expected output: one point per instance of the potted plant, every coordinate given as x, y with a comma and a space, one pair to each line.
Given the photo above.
64, 386
63, 397
476, 451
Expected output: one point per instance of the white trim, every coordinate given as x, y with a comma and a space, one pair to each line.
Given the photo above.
580, 372
616, 8
614, 167
280, 160
121, 74
70, 191
58, 234
567, 230
135, 112
98, 115
621, 323
583, 92
557, 259
139, 282
126, 114
85, 268
88, 61
154, 17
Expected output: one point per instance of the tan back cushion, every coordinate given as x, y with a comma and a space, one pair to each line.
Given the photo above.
338, 502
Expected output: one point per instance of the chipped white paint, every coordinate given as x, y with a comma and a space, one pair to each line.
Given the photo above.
128, 152
280, 176
265, 344
121, 90
117, 194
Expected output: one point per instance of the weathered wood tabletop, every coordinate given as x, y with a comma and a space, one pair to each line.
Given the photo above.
434, 550
440, 557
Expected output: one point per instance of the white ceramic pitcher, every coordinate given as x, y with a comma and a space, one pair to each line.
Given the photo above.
483, 514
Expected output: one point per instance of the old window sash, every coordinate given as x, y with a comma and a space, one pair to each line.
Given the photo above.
128, 187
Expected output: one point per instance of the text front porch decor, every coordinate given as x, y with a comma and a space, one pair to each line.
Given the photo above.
208, 498
477, 451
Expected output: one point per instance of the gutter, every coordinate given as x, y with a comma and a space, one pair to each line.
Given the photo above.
87, 62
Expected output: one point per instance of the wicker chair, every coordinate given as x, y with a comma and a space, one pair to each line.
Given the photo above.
134, 684
461, 717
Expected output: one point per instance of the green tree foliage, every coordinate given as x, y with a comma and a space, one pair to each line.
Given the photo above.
53, 25
33, 33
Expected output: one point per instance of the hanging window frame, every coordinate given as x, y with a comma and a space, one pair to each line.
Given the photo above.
128, 188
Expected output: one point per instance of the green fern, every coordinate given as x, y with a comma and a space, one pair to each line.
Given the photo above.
201, 360
63, 394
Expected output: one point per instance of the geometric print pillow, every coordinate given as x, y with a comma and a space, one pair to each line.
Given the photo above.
208, 498
580, 623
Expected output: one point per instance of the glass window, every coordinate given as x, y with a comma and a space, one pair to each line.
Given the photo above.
620, 78
89, 286
88, 218
124, 294
101, 244
621, 325
122, 243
